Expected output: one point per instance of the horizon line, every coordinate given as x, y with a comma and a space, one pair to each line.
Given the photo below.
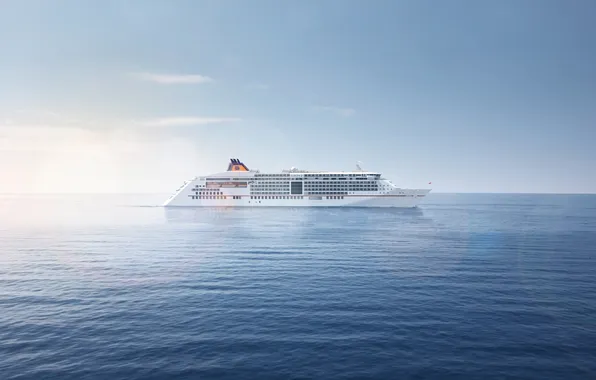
161, 193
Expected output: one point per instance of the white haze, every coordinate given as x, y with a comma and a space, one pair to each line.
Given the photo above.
44, 158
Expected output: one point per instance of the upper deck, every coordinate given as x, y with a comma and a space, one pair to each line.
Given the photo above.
237, 170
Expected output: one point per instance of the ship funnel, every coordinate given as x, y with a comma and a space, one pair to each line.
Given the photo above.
236, 166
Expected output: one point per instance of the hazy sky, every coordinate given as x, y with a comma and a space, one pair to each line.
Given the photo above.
137, 96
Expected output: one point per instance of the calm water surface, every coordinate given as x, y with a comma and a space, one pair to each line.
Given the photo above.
466, 286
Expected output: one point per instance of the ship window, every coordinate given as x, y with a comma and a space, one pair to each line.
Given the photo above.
296, 187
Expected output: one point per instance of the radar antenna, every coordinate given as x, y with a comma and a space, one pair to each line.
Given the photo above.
358, 163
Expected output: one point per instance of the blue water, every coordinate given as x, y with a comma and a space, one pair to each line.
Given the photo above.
465, 287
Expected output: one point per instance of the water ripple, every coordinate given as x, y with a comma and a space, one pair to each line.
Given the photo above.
493, 286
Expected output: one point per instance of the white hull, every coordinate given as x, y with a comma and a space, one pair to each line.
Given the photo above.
246, 188
410, 198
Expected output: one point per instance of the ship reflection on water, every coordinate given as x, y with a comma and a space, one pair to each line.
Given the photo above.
301, 230
259, 215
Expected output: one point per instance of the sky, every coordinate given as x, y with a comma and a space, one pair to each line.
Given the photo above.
138, 96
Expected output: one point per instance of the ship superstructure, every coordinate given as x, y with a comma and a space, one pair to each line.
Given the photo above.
242, 187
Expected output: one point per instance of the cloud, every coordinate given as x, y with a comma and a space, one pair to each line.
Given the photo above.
339, 111
32, 120
173, 78
187, 121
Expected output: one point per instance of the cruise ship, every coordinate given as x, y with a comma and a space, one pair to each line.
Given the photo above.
239, 186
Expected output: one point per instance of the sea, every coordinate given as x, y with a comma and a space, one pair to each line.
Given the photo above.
466, 286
